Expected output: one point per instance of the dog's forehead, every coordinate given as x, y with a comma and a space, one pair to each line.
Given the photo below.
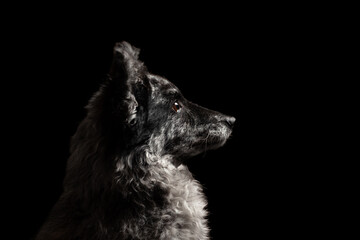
159, 83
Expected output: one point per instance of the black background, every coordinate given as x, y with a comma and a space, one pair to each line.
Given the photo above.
250, 63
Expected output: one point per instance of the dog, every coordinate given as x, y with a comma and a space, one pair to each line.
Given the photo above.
126, 177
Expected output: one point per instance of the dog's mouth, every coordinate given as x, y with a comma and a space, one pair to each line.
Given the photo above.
215, 137
207, 137
218, 136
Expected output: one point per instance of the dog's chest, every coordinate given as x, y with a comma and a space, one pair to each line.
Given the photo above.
186, 196
186, 204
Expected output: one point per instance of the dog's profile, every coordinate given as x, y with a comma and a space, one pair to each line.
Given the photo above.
125, 177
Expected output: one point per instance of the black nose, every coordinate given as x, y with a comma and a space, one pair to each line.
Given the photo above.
229, 121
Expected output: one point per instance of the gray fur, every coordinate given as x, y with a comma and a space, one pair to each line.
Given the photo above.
126, 178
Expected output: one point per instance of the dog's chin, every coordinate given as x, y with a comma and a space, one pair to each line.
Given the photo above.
217, 137
211, 139
215, 142
214, 139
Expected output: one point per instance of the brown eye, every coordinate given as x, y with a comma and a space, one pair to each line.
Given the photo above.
176, 107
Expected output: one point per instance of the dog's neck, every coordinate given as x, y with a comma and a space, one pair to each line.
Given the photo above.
172, 186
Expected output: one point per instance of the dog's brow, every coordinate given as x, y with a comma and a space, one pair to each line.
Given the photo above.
173, 93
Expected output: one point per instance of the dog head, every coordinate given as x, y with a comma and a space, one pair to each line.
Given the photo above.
142, 109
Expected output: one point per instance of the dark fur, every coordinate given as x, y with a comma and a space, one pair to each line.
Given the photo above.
125, 177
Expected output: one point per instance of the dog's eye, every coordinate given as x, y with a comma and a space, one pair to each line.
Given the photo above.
176, 107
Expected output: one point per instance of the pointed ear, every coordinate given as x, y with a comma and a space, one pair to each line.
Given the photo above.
125, 61
125, 73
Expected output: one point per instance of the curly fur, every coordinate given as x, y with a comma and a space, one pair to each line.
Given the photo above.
126, 178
